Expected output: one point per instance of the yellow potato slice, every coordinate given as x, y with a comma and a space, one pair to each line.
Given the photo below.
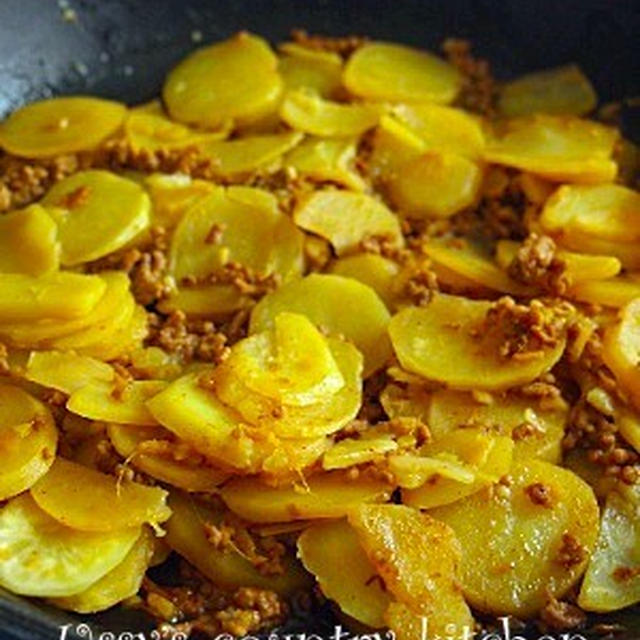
436, 185
615, 292
332, 552
66, 372
402, 400
228, 569
88, 500
352, 451
386, 71
97, 213
307, 111
393, 146
329, 302
328, 495
122, 582
558, 148
443, 128
59, 296
28, 439
375, 271
209, 301
99, 400
417, 557
42, 557
327, 160
29, 242
236, 79
612, 580
60, 125
563, 90
516, 553
303, 68
436, 342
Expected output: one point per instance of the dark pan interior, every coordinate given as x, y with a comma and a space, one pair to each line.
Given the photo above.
123, 48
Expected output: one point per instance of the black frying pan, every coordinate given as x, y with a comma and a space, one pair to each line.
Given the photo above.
123, 48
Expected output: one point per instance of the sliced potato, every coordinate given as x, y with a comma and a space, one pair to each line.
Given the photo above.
516, 553
72, 494
353, 451
60, 125
42, 557
393, 145
303, 68
614, 292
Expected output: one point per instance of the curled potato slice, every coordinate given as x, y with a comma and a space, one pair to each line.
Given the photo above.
227, 568
385, 71
234, 79
436, 184
563, 90
29, 242
303, 68
42, 557
558, 148
122, 582
516, 551
332, 552
308, 112
328, 301
69, 492
444, 342
612, 580
28, 439
345, 219
328, 495
97, 212
60, 125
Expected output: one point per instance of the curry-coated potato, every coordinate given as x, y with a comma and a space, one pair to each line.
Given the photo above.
613, 292
236, 79
97, 212
60, 125
310, 69
28, 440
354, 451
122, 582
29, 242
556, 147
345, 219
87, 500
42, 557
332, 552
327, 495
394, 72
526, 543
329, 301
447, 342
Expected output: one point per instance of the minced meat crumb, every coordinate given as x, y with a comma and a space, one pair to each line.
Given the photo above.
343, 46
571, 552
539, 494
536, 263
562, 615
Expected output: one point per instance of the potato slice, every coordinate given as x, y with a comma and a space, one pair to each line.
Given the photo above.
393, 146
436, 185
58, 296
42, 557
612, 580
332, 552
328, 495
352, 451
517, 553
328, 301
73, 495
440, 343
304, 68
236, 79
386, 71
60, 125
104, 401
122, 582
28, 440
615, 292
66, 372
562, 90
29, 242
345, 219
97, 213
228, 569
306, 111
417, 557
558, 148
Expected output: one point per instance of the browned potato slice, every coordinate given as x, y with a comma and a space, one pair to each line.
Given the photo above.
236, 79
526, 543
78, 497
328, 495
60, 125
